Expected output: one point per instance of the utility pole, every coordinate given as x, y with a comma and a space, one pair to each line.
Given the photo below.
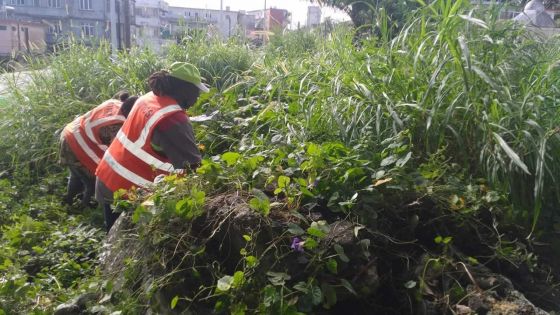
114, 39
220, 15
127, 43
265, 25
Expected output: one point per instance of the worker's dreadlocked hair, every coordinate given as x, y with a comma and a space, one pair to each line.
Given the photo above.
162, 84
121, 95
127, 105
127, 101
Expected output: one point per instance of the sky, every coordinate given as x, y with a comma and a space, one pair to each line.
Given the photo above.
298, 8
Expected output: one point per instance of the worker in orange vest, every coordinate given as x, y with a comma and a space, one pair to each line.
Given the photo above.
84, 141
156, 139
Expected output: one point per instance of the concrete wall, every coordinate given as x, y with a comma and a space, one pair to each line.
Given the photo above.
24, 37
70, 17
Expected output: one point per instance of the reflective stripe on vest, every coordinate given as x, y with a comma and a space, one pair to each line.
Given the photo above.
82, 134
136, 147
89, 125
130, 160
85, 147
124, 172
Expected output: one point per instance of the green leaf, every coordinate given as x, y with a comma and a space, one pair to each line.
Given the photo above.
225, 283
310, 243
283, 181
230, 158
341, 254
332, 266
389, 160
512, 155
313, 149
410, 284
302, 287
251, 261
174, 302
278, 278
329, 294
247, 238
315, 232
238, 278
295, 229
260, 205
438, 239
316, 295
348, 286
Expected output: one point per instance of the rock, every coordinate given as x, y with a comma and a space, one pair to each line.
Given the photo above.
77, 305
463, 310
514, 303
84, 299
69, 308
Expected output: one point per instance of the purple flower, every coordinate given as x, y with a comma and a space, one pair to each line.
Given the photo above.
297, 244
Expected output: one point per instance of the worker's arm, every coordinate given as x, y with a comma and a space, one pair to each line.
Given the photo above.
174, 137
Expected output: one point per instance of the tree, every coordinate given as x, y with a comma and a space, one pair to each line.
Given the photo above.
366, 12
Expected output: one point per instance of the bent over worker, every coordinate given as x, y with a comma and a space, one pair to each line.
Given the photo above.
84, 141
156, 139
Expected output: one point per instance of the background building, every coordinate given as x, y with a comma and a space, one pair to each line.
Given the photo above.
225, 22
86, 19
150, 22
16, 36
271, 19
313, 16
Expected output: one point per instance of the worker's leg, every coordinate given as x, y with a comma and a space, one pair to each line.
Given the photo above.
104, 197
110, 216
74, 187
88, 181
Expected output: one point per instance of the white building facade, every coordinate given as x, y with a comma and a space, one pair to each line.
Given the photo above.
313, 16
224, 22
150, 23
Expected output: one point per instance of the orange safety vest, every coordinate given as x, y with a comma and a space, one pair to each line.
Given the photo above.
82, 135
130, 160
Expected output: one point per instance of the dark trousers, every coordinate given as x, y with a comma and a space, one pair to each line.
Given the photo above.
79, 182
110, 216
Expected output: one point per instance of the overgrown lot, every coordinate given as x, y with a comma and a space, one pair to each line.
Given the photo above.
413, 172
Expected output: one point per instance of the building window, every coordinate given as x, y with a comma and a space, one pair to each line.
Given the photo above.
55, 3
17, 2
3, 28
88, 29
85, 5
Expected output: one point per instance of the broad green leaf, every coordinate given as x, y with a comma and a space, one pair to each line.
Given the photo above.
230, 158
316, 295
283, 181
251, 261
332, 266
295, 229
389, 160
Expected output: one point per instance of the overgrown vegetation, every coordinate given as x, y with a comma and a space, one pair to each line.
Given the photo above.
394, 176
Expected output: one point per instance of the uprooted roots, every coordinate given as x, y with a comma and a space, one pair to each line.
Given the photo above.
390, 269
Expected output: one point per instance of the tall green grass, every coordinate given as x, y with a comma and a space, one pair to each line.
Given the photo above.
482, 90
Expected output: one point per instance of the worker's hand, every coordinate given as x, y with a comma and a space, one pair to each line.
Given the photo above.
159, 179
